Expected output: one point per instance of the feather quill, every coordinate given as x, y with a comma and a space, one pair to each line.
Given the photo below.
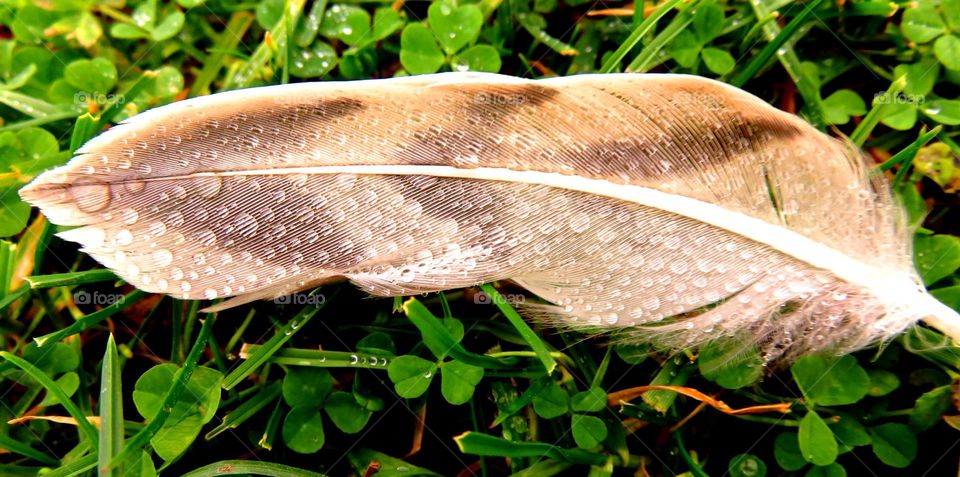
672, 208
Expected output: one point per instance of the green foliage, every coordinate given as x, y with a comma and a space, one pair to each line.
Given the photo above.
831, 381
521, 399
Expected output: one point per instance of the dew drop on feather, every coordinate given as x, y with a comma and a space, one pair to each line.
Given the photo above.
91, 197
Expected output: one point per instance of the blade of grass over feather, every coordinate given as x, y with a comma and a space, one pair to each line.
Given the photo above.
87, 429
234, 467
648, 24
111, 411
92, 319
788, 58
432, 329
248, 409
71, 279
254, 360
180, 380
15, 446
522, 327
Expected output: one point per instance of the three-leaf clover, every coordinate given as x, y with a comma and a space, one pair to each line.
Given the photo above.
145, 23
452, 28
689, 46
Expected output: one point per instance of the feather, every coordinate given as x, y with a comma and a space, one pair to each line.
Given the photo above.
671, 208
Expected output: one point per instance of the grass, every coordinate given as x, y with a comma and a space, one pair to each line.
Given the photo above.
102, 379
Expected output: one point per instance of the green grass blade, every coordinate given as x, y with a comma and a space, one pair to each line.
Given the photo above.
77, 467
645, 59
908, 153
85, 128
771, 48
271, 346
673, 373
318, 358
808, 89
83, 424
536, 344
14, 295
248, 409
906, 156
180, 380
873, 117
642, 29
478, 443
92, 319
71, 279
228, 40
234, 467
111, 411
17, 447
252, 68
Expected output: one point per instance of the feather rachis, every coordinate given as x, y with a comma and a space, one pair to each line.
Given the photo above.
453, 178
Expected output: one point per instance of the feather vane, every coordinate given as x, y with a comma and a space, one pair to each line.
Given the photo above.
671, 208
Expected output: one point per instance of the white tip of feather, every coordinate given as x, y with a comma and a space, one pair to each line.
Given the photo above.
90, 237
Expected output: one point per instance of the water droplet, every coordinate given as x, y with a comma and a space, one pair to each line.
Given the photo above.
162, 258
208, 187
246, 225
157, 229
206, 238
91, 197
580, 222
124, 237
